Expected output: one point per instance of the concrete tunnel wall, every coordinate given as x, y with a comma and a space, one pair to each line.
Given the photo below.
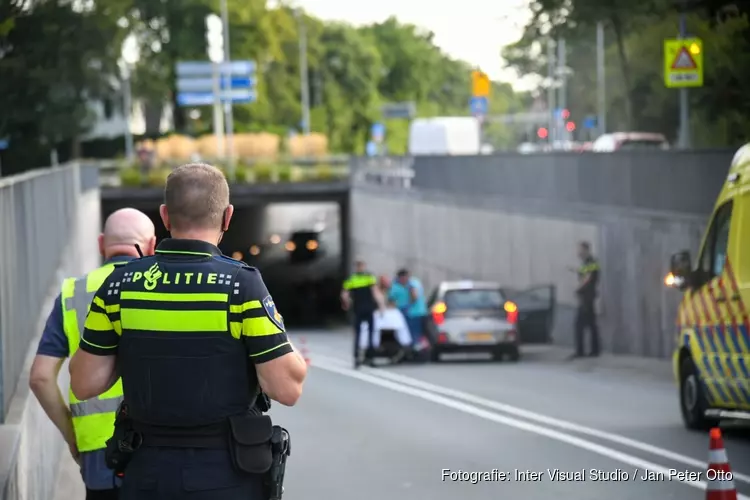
30, 446
443, 236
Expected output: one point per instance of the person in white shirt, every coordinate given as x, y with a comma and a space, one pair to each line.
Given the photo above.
389, 319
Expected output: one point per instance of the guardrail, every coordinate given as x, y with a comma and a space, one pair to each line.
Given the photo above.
37, 211
387, 171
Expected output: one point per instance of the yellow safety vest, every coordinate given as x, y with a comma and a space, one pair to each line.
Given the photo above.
93, 419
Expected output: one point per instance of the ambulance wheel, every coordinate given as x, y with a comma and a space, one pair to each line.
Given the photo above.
693, 403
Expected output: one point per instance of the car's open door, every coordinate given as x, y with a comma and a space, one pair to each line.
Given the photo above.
536, 312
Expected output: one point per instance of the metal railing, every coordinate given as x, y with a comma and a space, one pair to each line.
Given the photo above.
37, 212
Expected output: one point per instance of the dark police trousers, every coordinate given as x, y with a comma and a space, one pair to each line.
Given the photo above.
187, 473
586, 318
359, 318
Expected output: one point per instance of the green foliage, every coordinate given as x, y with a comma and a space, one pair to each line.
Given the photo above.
634, 32
130, 177
56, 57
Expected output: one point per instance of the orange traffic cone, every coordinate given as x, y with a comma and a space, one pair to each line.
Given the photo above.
303, 350
720, 485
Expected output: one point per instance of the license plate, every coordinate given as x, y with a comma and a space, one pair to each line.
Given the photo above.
480, 336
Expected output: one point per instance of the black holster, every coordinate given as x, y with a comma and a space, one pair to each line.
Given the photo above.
123, 443
259, 447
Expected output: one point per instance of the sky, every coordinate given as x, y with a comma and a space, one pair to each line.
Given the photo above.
472, 30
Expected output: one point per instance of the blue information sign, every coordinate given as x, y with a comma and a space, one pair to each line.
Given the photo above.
377, 132
478, 106
195, 84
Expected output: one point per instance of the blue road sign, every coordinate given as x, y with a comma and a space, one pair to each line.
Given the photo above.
478, 106
205, 68
590, 122
371, 149
195, 82
377, 132
4, 144
207, 98
207, 84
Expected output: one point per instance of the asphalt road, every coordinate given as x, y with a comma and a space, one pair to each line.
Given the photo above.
391, 432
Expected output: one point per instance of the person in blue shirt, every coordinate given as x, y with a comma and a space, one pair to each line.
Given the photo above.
122, 230
407, 293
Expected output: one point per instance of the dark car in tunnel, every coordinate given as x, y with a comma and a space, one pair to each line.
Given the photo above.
305, 246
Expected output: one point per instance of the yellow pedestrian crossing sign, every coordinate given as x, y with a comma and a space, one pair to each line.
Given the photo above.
480, 84
683, 63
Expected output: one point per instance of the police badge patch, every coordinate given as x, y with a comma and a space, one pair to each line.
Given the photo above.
273, 313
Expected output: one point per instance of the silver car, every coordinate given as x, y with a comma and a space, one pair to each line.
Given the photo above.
474, 316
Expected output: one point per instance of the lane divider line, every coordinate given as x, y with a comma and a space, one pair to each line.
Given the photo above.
537, 417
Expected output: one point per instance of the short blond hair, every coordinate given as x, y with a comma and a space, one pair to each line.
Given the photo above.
196, 196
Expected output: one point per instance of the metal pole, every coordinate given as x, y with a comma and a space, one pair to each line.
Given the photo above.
551, 90
228, 113
127, 108
684, 140
601, 79
303, 73
218, 121
561, 61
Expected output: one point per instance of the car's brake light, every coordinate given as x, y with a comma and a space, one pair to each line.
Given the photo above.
438, 313
511, 312
442, 338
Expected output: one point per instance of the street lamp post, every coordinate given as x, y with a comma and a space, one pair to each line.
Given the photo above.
303, 72
129, 57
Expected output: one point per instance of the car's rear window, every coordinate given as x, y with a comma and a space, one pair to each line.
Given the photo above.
302, 237
641, 144
482, 299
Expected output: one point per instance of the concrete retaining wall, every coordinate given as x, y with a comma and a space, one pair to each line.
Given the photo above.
443, 235
30, 446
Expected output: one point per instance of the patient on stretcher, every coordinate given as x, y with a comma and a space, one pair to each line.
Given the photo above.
389, 319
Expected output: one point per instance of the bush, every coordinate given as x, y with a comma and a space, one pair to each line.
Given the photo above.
323, 173
158, 177
284, 173
263, 173
130, 177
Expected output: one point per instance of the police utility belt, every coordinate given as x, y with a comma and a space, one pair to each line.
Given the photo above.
256, 446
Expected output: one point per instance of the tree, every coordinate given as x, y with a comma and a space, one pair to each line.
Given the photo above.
54, 60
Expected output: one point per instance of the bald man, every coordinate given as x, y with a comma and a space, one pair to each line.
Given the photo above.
86, 425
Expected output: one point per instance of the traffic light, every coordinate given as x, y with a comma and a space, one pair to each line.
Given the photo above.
542, 133
565, 113
570, 126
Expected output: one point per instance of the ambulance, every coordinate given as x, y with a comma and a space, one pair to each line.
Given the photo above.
711, 360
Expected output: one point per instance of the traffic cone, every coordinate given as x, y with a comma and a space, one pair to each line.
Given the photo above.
720, 485
303, 350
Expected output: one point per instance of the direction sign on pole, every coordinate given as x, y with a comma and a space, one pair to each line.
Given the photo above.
195, 84
683, 63
203, 68
480, 84
479, 106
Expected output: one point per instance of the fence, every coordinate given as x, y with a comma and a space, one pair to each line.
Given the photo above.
37, 211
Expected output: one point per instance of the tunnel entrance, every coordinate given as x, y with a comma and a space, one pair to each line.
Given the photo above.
300, 249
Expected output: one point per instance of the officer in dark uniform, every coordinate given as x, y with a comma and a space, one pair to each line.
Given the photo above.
588, 279
361, 296
195, 335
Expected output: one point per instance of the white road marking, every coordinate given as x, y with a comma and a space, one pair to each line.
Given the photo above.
570, 439
542, 419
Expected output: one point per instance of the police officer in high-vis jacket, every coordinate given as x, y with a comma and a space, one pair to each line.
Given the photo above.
196, 337
87, 425
361, 296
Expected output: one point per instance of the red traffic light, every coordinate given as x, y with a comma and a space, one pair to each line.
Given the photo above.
570, 126
565, 114
542, 133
